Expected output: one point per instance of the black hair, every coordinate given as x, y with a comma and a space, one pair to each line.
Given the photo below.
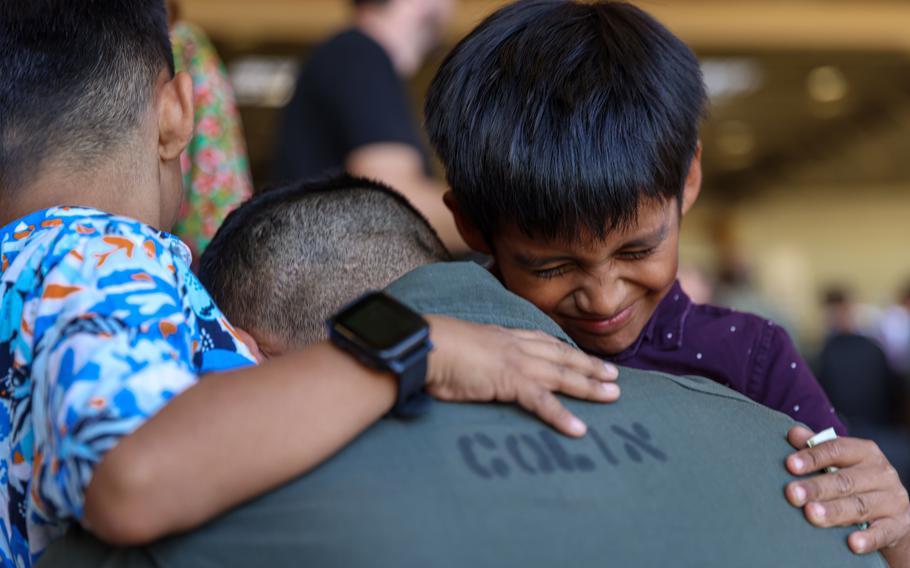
366, 2
559, 116
834, 296
290, 257
75, 78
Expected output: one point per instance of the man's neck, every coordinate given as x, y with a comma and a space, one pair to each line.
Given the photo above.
376, 25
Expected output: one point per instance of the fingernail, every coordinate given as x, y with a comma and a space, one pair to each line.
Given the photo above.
798, 464
611, 369
818, 510
577, 426
860, 543
610, 389
799, 494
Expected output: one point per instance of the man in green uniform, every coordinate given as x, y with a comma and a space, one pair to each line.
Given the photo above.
680, 471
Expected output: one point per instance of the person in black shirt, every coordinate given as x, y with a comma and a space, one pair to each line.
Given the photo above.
870, 397
351, 110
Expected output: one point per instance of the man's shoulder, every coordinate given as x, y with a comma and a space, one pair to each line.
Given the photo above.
467, 291
684, 402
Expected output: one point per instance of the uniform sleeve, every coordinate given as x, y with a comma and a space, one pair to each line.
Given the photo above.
112, 346
782, 380
366, 98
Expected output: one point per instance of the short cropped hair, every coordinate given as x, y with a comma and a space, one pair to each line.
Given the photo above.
557, 116
289, 258
75, 79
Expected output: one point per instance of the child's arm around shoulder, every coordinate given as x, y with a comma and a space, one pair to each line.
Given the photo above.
236, 435
136, 447
857, 485
863, 488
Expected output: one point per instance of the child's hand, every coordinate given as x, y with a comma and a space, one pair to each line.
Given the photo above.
866, 488
486, 363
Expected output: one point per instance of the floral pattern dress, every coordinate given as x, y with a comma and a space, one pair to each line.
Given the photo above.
215, 165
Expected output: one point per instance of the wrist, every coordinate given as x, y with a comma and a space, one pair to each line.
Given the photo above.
439, 365
387, 335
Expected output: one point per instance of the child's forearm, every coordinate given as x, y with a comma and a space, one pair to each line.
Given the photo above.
232, 437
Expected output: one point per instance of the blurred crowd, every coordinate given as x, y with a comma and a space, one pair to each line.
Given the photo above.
862, 360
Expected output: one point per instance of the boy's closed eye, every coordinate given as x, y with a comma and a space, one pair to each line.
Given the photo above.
555, 272
636, 254
561, 269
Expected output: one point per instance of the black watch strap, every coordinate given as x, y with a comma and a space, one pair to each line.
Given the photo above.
385, 334
413, 400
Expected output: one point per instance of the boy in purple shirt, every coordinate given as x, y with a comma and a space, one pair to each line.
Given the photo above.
569, 133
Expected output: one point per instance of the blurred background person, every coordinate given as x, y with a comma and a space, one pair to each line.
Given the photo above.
215, 165
351, 109
894, 333
870, 398
840, 312
696, 283
736, 289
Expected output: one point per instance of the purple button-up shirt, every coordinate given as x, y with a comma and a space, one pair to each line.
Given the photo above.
749, 354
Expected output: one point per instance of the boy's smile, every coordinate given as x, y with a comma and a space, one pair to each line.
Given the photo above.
601, 292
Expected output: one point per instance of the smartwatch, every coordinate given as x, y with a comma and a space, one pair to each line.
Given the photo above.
384, 334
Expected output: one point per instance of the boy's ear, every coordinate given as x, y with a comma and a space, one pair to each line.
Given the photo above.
693, 181
175, 115
471, 235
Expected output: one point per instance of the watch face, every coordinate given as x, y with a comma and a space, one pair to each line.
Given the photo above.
380, 322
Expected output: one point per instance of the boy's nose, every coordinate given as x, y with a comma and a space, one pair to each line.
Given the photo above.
601, 296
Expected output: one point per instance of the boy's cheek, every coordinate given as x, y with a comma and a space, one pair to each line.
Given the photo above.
544, 293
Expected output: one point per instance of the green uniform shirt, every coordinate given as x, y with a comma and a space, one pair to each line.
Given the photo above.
679, 472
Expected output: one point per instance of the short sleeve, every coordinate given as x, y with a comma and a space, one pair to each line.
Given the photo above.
357, 83
782, 380
112, 346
